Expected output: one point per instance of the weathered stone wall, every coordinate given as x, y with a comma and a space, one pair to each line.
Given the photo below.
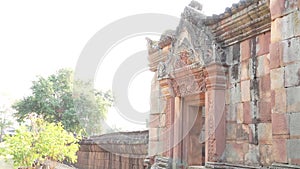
261, 40
123, 150
284, 71
248, 103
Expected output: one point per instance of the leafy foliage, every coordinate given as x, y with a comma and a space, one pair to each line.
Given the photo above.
40, 141
61, 99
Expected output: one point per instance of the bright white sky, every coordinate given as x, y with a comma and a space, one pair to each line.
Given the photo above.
38, 37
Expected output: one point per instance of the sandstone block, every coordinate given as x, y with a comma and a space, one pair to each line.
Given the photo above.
276, 54
262, 43
245, 90
293, 149
279, 101
231, 113
264, 114
245, 70
265, 133
279, 8
280, 124
292, 75
235, 93
291, 52
248, 114
294, 124
265, 83
293, 99
279, 149
242, 132
265, 87
231, 131
252, 157
265, 152
277, 78
263, 67
296, 21
234, 152
276, 33
245, 49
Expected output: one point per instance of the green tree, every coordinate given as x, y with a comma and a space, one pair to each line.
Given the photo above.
59, 98
41, 141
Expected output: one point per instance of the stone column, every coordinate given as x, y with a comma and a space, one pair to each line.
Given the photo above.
177, 136
214, 112
167, 119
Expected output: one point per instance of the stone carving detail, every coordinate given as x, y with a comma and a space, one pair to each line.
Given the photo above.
211, 130
196, 5
152, 45
189, 85
185, 58
162, 70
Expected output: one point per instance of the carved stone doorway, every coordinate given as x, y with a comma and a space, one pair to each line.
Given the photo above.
193, 123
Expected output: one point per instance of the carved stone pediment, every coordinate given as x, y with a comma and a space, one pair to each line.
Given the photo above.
192, 47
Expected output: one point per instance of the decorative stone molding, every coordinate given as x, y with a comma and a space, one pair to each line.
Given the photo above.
283, 166
227, 166
246, 19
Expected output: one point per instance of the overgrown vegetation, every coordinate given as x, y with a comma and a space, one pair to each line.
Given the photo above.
40, 141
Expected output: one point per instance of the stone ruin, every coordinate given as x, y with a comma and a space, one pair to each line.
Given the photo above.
122, 150
226, 89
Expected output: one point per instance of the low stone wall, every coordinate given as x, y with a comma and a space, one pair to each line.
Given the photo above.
122, 150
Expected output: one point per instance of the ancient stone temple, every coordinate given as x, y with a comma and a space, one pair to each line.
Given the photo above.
226, 89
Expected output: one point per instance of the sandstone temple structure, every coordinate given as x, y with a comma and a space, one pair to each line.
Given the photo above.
226, 89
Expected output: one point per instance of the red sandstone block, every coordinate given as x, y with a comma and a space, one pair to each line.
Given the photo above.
245, 70
262, 43
245, 90
276, 8
264, 114
279, 8
275, 55
279, 150
265, 152
278, 101
245, 50
265, 133
295, 161
265, 83
247, 113
280, 124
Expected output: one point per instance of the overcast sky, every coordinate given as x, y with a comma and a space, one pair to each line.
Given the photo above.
38, 37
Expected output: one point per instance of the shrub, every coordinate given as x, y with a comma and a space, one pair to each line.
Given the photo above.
39, 142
